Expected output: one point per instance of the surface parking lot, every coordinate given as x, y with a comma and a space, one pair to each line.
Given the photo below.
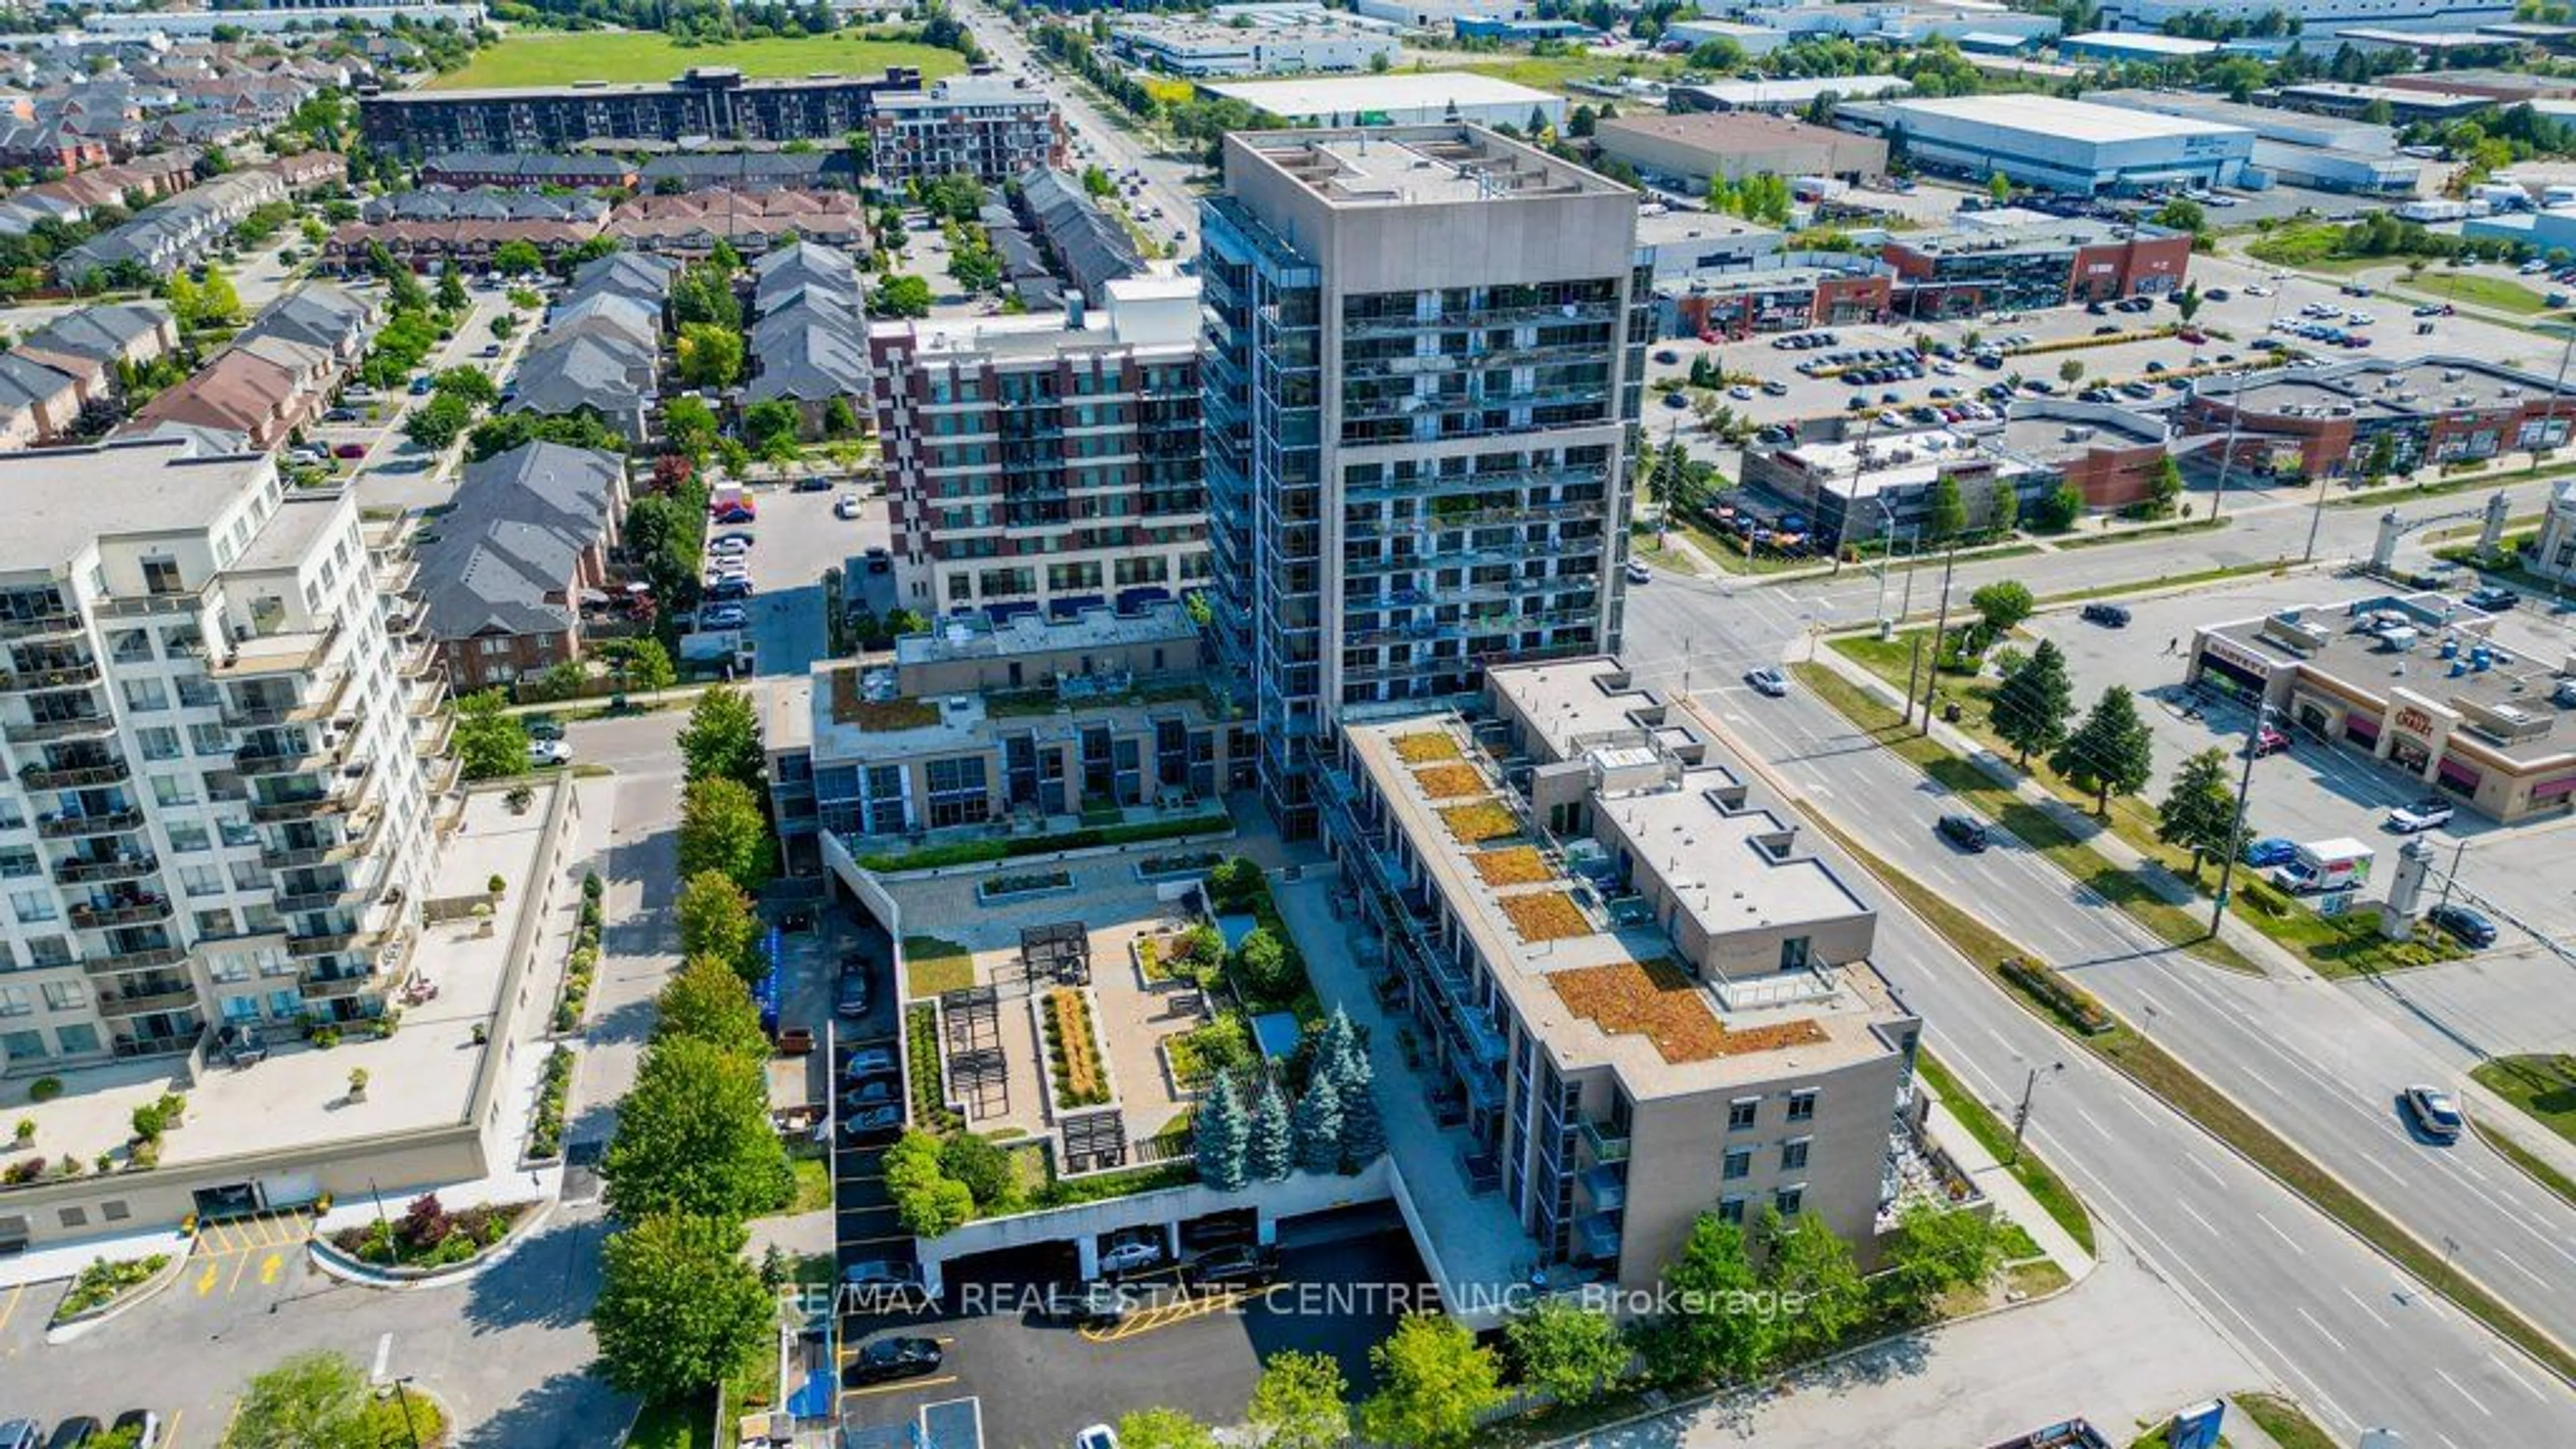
1037, 1382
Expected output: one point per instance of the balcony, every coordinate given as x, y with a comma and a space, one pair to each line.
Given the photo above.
318, 985
301, 652
396, 576
140, 912
336, 943
342, 796
159, 1046
75, 871
67, 676
1606, 1145
142, 960
323, 754
138, 1003
261, 715
433, 741
41, 626
361, 838
73, 827
355, 893
75, 777
46, 731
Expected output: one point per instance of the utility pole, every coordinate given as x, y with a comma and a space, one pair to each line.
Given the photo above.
2236, 829
1913, 663
2456, 853
1886, 557
2235, 416
1940, 626
2021, 1114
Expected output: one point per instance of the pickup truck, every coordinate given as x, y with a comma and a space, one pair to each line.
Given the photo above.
2073, 1434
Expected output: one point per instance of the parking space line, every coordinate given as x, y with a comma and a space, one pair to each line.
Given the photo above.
902, 1384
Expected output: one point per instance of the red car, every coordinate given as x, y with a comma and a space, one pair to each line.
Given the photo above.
2269, 741
350, 450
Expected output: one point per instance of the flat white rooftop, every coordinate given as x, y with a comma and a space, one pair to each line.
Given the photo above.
2078, 121
1308, 97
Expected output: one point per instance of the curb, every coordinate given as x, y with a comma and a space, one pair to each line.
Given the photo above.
329, 1259
66, 1330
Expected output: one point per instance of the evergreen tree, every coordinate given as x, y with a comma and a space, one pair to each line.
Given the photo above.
1363, 1130
1337, 1050
1270, 1152
2199, 812
1316, 1127
2032, 703
2111, 753
1946, 514
1222, 1135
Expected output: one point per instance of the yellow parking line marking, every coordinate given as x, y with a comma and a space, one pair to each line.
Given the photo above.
206, 1280
270, 1266
241, 1265
170, 1440
9, 1309
898, 1385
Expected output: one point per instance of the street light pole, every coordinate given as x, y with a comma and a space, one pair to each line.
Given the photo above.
2236, 828
1886, 556
402, 1395
1940, 626
2235, 416
2021, 1114
2456, 853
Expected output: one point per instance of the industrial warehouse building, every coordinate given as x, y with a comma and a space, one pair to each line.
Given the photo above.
1706, 145
1786, 93
2058, 145
2328, 153
1428, 99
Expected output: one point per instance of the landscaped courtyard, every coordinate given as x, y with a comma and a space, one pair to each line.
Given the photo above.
615, 56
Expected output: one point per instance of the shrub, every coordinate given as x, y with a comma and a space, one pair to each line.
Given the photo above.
592, 888
497, 885
984, 1167
44, 1089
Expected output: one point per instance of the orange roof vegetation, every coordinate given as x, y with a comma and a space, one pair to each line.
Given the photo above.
1422, 747
1656, 999
1444, 782
1482, 821
1513, 865
1545, 916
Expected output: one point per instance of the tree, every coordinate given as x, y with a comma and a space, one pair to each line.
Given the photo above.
1264, 963
2003, 604
927, 1201
770, 420
1936, 1249
722, 738
721, 829
646, 666
2164, 485
710, 354
1221, 1133
470, 383
1163, 1429
2187, 301
1363, 1129
2111, 753
217, 301
1946, 514
2199, 811
716, 922
1315, 1128
518, 258
310, 1401
451, 291
1709, 1333
2069, 370
694, 1136
679, 1307
1999, 187
490, 742
706, 1000
2058, 511
439, 422
985, 1167
1270, 1152
1812, 1261
2181, 214
2003, 507
1435, 1384
2034, 701
1301, 1402
1570, 1351
840, 420
900, 296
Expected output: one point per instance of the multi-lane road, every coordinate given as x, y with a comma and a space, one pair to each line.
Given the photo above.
2338, 1324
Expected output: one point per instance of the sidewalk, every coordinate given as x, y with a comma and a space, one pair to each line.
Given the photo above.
2005, 1191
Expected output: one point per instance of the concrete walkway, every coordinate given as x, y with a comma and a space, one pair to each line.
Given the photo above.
2004, 1190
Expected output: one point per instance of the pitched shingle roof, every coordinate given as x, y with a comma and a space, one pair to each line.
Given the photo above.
505, 553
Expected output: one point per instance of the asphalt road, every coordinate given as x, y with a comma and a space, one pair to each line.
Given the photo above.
2296, 1292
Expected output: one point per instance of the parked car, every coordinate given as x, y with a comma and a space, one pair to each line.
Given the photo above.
1093, 1305
736, 513
2423, 815
142, 1425
888, 1359
350, 450
1770, 683
811, 483
74, 1432
731, 545
1131, 1255
852, 996
2270, 851
541, 726
732, 586
874, 1122
2492, 599
879, 560
723, 616
2109, 616
2460, 923
421, 385
545, 754
881, 1273
21, 1434
341, 415
1247, 1265
846, 506
1096, 1436
869, 1062
1964, 831
2434, 1113
1638, 573
871, 1093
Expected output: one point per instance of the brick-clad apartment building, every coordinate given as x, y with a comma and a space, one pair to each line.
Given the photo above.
707, 101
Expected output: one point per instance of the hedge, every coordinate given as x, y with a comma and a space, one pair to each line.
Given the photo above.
977, 852
2070, 1003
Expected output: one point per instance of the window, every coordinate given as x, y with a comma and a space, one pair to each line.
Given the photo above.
146, 694
169, 790
227, 966
285, 1005
30, 906
20, 860
161, 575
65, 995
202, 880
1794, 954
1790, 1199
114, 1212
79, 1039
73, 1217
158, 742
22, 1046
187, 836
1739, 1164
1802, 1105
210, 739
214, 923
14, 1001
1730, 1209
1793, 1153
1741, 1112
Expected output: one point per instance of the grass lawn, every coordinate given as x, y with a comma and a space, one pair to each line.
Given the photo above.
2054, 1195
682, 1424
2500, 294
1559, 72
546, 59
2543, 1087
931, 966
813, 1185
2287, 1423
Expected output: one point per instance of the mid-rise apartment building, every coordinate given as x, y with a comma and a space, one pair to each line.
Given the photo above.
988, 127
225, 755
1425, 347
1046, 462
707, 101
1634, 996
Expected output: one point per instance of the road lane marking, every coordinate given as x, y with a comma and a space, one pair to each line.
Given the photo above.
2511, 1262
2464, 1393
2284, 1237
2206, 1170
2196, 1217
2364, 1305
2090, 1122
2321, 1331
899, 1385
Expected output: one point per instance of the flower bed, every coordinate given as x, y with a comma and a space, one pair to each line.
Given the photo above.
104, 1281
1196, 1056
545, 1132
1513, 865
583, 965
428, 1236
1659, 1001
921, 1050
1485, 820
1189, 862
1423, 747
2071, 1003
1074, 1061
1546, 916
1035, 883
1448, 782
